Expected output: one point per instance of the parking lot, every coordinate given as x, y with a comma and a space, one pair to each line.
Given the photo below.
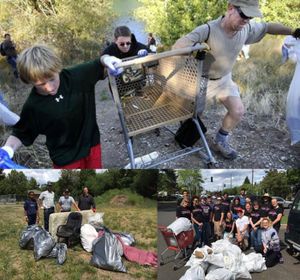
290, 269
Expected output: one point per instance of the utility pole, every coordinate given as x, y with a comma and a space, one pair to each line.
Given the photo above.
252, 176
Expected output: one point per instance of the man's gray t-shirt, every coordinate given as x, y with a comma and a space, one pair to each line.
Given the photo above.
66, 203
224, 49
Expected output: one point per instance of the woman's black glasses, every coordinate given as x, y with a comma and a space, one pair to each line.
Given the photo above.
127, 44
242, 15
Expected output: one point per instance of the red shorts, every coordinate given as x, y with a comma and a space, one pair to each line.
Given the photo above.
92, 161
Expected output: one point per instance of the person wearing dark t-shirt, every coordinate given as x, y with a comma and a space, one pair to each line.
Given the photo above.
207, 217
197, 218
31, 209
183, 211
226, 203
266, 205
217, 218
61, 106
86, 201
255, 233
275, 214
229, 226
248, 209
125, 45
235, 207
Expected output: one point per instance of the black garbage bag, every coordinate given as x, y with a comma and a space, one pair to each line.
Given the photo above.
106, 254
26, 238
59, 252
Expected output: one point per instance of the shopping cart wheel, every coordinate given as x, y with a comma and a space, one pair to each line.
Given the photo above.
211, 165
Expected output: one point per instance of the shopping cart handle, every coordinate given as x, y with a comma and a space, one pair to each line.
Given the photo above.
153, 57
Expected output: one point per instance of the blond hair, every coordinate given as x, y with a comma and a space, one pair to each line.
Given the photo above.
37, 63
266, 219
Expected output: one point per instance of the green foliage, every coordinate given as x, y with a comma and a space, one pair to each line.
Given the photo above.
14, 183
76, 28
167, 181
169, 20
190, 179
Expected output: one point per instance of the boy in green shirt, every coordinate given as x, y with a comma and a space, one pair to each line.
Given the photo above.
61, 106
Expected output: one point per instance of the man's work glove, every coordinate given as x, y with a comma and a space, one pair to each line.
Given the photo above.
142, 53
6, 154
110, 62
296, 33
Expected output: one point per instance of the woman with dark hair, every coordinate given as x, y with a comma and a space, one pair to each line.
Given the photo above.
236, 205
197, 219
184, 210
124, 45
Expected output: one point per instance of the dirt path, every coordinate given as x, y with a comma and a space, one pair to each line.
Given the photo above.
260, 142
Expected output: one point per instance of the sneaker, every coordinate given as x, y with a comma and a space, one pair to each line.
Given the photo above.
281, 260
223, 148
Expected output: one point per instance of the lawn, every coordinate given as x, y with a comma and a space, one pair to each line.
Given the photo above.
20, 264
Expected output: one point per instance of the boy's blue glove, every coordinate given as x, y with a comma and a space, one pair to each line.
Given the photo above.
142, 53
110, 62
6, 153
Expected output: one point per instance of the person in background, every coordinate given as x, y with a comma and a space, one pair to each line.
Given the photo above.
218, 218
31, 209
151, 42
275, 214
8, 49
66, 201
226, 203
185, 195
248, 209
184, 210
197, 219
46, 202
124, 45
235, 206
86, 200
242, 197
255, 233
229, 226
207, 218
266, 205
226, 37
242, 233
61, 106
271, 243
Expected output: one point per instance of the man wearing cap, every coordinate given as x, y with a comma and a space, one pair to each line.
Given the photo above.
266, 205
66, 201
242, 232
226, 37
46, 202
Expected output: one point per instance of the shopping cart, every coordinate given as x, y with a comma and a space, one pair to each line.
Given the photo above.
181, 244
159, 90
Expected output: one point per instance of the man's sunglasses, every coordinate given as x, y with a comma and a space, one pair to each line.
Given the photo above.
123, 44
242, 15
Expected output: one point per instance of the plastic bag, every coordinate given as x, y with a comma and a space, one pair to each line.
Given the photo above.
106, 254
26, 237
194, 273
220, 274
254, 262
59, 252
96, 220
179, 225
6, 116
43, 244
293, 98
87, 235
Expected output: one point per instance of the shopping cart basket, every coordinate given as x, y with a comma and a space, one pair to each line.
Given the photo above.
179, 243
159, 90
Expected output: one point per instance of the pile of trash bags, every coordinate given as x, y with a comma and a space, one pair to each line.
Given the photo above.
291, 51
108, 248
222, 261
36, 238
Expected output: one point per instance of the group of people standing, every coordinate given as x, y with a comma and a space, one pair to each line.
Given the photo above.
248, 223
46, 203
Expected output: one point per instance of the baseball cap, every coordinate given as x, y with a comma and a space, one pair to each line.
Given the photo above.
49, 184
249, 7
66, 191
239, 210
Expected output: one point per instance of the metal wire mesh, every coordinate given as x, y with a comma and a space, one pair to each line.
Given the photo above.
155, 96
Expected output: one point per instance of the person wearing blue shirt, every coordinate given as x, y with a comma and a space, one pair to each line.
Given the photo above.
31, 211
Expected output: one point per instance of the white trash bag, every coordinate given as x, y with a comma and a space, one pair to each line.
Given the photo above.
254, 262
87, 235
220, 274
194, 273
292, 46
180, 225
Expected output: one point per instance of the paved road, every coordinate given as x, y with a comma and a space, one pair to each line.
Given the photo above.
289, 270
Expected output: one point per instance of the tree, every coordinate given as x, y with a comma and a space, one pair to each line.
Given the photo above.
190, 179
145, 182
275, 183
14, 183
167, 181
69, 179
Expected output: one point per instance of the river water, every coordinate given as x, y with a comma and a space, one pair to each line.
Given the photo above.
124, 10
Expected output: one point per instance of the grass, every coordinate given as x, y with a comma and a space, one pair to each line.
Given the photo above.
20, 264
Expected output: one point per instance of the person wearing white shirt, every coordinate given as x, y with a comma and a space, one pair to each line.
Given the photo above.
242, 233
46, 202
